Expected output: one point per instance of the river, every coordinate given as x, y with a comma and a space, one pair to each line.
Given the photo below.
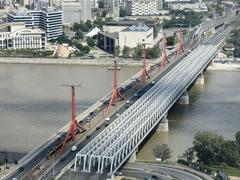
34, 105
214, 106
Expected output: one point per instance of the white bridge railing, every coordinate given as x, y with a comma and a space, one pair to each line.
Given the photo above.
108, 150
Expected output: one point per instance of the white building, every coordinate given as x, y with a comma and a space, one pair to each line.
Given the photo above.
141, 7
197, 7
130, 34
135, 35
17, 36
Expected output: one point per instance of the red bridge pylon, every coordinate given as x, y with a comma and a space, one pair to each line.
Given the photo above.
71, 133
115, 94
180, 45
144, 69
164, 56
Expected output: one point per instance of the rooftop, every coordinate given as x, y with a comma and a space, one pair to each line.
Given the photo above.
137, 28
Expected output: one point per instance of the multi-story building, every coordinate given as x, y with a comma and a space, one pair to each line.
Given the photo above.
49, 19
141, 7
130, 34
110, 3
76, 10
17, 36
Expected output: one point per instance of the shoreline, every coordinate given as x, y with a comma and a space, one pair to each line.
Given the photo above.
224, 67
83, 62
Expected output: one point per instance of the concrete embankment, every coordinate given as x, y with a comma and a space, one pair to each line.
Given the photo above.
224, 67
84, 62
11, 157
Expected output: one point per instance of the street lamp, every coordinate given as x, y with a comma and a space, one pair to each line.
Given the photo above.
72, 128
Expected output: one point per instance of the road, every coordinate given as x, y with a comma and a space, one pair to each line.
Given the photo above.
141, 170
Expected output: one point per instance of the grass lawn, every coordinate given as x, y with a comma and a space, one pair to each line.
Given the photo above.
230, 171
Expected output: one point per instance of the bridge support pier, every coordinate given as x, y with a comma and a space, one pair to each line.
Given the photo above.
133, 157
163, 126
200, 79
184, 99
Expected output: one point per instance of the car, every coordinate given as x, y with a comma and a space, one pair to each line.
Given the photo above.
44, 175
74, 148
127, 106
128, 102
88, 119
98, 109
118, 173
97, 128
53, 173
153, 82
135, 95
14, 178
88, 136
62, 158
117, 115
107, 119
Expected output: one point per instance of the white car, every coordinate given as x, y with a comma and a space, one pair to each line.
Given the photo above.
107, 119
74, 148
117, 115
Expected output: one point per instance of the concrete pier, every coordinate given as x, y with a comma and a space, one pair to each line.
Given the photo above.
184, 99
200, 79
163, 126
133, 157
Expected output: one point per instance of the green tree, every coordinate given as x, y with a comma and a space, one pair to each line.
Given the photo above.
207, 146
138, 51
90, 42
86, 49
230, 154
117, 51
75, 27
162, 151
122, 12
152, 53
98, 22
237, 139
189, 155
170, 41
83, 26
88, 23
126, 51
79, 35
63, 39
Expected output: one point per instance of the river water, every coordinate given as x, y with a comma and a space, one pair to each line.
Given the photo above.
34, 105
214, 106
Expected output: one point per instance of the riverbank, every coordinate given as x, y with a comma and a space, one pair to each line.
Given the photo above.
224, 67
83, 62
11, 157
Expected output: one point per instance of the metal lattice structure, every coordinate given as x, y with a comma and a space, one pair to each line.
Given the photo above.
108, 150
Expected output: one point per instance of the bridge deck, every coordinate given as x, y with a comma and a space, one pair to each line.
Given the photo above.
115, 144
